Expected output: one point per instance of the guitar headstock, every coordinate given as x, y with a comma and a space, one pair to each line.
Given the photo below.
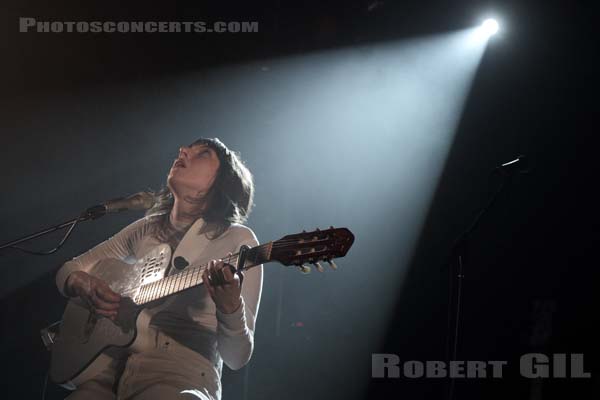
312, 247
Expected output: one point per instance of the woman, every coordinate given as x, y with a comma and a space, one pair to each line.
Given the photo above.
209, 194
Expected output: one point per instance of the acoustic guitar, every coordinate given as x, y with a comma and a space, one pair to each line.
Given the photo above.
86, 341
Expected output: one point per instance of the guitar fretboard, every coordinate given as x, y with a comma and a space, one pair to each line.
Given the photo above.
192, 275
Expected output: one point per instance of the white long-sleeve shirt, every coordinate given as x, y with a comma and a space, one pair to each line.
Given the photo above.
190, 317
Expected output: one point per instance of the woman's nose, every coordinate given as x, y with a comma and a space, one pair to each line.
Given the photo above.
183, 151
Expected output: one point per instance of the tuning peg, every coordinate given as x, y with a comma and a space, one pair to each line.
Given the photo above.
305, 269
318, 266
332, 264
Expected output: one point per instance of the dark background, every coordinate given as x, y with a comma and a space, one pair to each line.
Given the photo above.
532, 95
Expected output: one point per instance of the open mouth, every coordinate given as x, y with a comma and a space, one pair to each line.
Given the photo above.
179, 163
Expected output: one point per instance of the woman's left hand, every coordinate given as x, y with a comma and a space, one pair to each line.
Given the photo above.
224, 286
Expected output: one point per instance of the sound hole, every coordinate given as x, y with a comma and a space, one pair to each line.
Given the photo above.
152, 268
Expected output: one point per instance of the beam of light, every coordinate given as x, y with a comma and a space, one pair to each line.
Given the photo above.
354, 137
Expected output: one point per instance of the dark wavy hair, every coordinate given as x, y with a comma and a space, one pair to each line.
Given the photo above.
229, 200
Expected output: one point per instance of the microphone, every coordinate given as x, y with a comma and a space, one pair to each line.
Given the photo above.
519, 165
138, 201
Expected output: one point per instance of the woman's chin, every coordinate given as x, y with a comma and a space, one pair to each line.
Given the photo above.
179, 186
172, 182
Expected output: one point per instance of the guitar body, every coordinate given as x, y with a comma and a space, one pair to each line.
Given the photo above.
87, 342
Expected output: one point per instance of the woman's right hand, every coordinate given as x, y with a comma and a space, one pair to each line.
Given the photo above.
95, 292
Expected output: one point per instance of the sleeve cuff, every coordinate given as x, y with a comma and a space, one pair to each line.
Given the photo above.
62, 275
234, 323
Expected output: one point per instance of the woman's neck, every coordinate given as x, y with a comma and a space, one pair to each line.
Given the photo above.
184, 212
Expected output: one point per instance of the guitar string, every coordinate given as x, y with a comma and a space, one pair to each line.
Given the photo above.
156, 288
292, 240
173, 283
230, 259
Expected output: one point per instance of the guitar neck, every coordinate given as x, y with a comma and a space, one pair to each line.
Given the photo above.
192, 275
296, 249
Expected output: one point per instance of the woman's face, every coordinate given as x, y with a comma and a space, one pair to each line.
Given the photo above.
194, 171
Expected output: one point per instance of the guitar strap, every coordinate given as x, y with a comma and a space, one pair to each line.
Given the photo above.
191, 247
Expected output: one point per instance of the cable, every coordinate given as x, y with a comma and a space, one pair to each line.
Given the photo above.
45, 387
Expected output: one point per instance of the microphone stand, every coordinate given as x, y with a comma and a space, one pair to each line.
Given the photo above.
94, 212
458, 256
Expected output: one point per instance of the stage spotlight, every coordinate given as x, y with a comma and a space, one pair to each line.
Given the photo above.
489, 27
